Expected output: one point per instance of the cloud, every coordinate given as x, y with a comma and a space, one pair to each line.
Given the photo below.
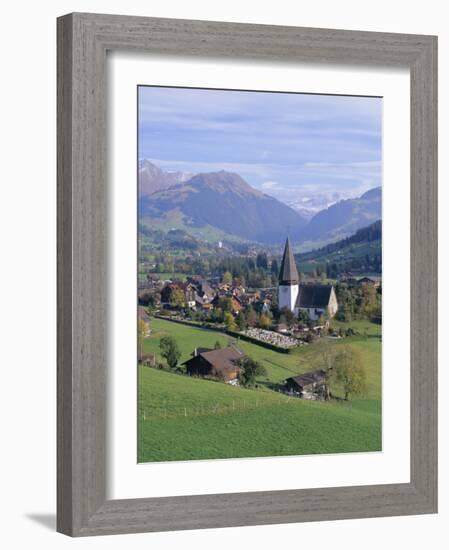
270, 185
281, 143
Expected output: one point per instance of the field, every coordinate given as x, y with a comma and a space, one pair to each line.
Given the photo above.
183, 418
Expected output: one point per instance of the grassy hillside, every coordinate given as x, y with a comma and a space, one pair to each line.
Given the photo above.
186, 418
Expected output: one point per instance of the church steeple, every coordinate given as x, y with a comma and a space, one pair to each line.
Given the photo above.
288, 275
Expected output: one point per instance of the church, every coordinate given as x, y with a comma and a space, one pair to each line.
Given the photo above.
315, 299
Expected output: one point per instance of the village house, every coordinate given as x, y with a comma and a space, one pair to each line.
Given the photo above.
235, 301
187, 290
204, 293
311, 385
368, 281
221, 364
315, 299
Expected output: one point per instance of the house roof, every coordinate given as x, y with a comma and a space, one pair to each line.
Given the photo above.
288, 273
310, 296
222, 359
198, 351
309, 378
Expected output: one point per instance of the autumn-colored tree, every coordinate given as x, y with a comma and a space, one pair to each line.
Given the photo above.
142, 331
289, 316
251, 317
264, 321
229, 321
177, 297
227, 278
325, 353
348, 370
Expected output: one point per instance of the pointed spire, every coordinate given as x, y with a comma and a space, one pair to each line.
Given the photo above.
288, 273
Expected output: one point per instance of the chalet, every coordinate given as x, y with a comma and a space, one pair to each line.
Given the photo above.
235, 302
311, 385
221, 364
314, 299
368, 281
186, 289
204, 293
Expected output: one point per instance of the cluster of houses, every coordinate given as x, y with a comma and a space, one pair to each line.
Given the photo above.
204, 295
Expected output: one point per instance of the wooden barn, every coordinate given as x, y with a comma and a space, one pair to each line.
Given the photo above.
221, 364
310, 385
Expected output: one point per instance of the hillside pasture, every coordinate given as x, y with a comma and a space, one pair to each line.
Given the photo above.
183, 418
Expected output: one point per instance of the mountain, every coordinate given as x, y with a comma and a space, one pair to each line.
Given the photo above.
227, 202
344, 217
359, 253
309, 204
152, 178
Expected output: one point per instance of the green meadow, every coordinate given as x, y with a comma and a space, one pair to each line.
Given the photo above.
183, 418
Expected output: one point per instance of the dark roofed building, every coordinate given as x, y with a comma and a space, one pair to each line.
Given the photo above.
317, 300
221, 364
310, 385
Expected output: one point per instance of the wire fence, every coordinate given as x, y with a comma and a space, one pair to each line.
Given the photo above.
169, 411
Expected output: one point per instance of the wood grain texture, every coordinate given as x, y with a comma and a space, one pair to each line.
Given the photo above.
83, 40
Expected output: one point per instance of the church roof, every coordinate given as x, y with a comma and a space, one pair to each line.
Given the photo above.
288, 273
310, 296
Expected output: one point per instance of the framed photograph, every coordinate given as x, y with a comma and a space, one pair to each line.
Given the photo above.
247, 274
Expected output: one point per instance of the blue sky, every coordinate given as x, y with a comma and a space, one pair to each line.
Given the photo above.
291, 146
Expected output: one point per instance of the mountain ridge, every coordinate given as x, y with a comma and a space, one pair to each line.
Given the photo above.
225, 201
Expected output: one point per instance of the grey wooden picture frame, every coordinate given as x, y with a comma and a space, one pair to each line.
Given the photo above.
83, 41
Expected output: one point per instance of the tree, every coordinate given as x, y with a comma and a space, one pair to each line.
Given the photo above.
251, 317
241, 321
275, 267
250, 369
289, 316
325, 353
142, 331
177, 297
264, 321
170, 351
348, 371
227, 278
229, 321
217, 345
303, 317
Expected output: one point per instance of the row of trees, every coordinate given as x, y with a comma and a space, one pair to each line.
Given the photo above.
364, 264
359, 302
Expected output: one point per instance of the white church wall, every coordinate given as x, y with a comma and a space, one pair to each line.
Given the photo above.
287, 296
